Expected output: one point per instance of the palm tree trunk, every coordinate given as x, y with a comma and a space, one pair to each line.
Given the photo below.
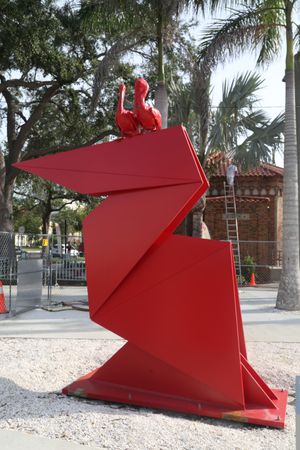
289, 288
161, 95
198, 217
297, 100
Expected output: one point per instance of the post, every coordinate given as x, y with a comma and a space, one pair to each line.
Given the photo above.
298, 413
66, 237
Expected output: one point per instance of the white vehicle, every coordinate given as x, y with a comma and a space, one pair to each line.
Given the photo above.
60, 250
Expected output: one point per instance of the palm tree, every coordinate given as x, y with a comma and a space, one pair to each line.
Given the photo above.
262, 26
241, 130
237, 127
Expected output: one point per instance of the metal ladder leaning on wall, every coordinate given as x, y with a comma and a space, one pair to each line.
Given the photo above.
233, 229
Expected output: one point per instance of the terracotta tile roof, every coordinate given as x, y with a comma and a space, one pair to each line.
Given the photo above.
240, 199
218, 165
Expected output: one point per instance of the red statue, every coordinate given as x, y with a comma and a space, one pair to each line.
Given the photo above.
148, 117
173, 298
125, 119
143, 116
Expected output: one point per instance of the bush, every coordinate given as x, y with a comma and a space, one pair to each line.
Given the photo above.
248, 268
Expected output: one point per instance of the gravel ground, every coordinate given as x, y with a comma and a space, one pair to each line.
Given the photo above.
33, 371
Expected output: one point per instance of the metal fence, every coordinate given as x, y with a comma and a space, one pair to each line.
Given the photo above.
263, 258
64, 262
62, 258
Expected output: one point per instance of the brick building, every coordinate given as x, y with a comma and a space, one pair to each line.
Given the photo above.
259, 210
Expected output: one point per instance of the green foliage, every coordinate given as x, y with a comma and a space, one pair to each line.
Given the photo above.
40, 35
248, 267
72, 218
25, 214
236, 127
239, 129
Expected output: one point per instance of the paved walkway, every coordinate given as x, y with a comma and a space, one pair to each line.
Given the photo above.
15, 440
262, 322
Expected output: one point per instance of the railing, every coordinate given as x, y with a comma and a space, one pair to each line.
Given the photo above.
263, 258
63, 265
69, 270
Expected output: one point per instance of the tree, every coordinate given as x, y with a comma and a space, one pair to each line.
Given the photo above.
260, 25
47, 60
46, 198
240, 129
26, 215
73, 217
158, 20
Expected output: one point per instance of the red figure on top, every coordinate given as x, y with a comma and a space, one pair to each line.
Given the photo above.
143, 116
125, 119
148, 117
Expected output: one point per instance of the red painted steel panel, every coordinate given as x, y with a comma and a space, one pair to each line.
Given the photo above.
111, 256
174, 298
149, 160
170, 289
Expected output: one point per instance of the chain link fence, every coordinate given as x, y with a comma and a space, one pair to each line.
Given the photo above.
62, 258
64, 262
263, 258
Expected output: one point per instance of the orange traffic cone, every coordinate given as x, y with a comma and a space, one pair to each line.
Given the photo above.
252, 280
3, 309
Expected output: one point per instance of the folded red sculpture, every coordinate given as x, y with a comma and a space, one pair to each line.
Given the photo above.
173, 298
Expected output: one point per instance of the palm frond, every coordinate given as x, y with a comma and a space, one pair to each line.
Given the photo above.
180, 97
261, 143
241, 93
251, 28
112, 16
201, 104
238, 130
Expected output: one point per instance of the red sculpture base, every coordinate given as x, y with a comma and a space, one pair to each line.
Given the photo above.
135, 378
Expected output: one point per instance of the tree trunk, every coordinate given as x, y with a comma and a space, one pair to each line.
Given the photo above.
6, 207
161, 95
198, 217
297, 100
161, 102
289, 288
7, 244
45, 223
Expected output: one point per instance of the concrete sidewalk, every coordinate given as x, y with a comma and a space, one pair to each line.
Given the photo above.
262, 322
15, 440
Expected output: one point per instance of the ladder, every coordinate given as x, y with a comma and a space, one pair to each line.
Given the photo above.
232, 228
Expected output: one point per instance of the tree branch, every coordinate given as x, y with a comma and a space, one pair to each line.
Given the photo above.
35, 116
27, 84
31, 196
65, 204
60, 148
11, 119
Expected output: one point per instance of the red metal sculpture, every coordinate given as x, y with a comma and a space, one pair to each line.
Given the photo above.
185, 347
148, 117
125, 119
144, 117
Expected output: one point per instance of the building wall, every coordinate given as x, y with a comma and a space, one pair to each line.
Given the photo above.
255, 219
249, 185
259, 209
